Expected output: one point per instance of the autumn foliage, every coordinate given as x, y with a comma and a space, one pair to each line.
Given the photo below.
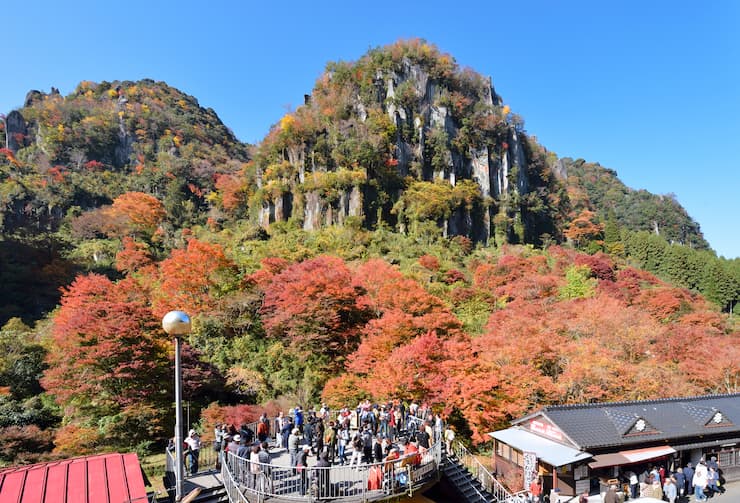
366, 329
193, 277
108, 359
314, 304
152, 204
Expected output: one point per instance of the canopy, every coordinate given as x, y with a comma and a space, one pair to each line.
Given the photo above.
550, 452
630, 457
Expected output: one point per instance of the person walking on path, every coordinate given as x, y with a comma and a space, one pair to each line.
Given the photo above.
294, 446
302, 468
688, 473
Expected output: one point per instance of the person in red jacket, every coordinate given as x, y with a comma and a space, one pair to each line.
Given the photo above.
263, 428
535, 489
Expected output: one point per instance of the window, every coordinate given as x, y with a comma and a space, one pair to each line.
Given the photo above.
517, 457
726, 458
499, 448
506, 453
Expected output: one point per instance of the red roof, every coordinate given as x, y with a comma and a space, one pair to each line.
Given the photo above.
103, 478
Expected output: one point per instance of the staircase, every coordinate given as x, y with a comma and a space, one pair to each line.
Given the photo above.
469, 488
472, 481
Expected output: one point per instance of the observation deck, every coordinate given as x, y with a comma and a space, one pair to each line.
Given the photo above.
247, 482
243, 481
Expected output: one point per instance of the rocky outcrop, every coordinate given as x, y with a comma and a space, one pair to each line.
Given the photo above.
446, 128
319, 212
32, 97
17, 131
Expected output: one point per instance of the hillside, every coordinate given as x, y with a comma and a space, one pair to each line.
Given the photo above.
70, 157
599, 189
398, 235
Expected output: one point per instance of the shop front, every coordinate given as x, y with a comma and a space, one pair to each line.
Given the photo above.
590, 446
555, 464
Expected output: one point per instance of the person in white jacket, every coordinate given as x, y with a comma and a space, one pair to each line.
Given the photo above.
700, 481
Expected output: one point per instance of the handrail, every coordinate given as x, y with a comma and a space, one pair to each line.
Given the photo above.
480, 472
368, 481
231, 486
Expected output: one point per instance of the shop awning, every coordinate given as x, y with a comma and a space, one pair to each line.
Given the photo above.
630, 457
550, 452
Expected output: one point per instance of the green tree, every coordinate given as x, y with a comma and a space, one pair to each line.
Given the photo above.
612, 235
719, 285
579, 283
21, 360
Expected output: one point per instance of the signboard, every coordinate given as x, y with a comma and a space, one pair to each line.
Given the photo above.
530, 468
545, 429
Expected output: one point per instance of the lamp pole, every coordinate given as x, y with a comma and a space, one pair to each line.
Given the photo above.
177, 323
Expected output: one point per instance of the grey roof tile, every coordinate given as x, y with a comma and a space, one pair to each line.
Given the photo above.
612, 424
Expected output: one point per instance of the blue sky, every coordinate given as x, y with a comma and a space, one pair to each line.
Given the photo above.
649, 89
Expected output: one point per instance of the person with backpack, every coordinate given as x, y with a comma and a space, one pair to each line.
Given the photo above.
330, 441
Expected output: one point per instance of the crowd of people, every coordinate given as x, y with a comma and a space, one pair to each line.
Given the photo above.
388, 435
702, 481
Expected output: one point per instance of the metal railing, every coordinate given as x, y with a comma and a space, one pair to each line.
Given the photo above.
367, 482
481, 473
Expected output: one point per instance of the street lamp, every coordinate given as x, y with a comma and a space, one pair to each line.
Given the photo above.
177, 323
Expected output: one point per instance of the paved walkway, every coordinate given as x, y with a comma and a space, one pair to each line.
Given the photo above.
212, 478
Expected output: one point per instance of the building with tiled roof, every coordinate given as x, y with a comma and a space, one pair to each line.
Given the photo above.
573, 447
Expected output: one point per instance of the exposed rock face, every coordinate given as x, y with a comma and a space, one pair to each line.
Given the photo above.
492, 174
560, 169
442, 128
319, 212
32, 97
17, 131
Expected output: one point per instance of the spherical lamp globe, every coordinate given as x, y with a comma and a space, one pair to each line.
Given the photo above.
176, 323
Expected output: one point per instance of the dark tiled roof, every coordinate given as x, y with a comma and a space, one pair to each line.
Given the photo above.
670, 419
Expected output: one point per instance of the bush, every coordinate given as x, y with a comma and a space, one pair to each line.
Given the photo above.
24, 444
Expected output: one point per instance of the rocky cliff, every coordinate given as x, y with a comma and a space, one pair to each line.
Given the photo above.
391, 138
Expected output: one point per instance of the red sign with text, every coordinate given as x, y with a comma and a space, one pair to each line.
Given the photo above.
545, 429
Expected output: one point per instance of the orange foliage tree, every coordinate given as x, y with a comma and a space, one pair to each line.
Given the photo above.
107, 362
133, 257
194, 279
143, 212
402, 310
583, 228
313, 306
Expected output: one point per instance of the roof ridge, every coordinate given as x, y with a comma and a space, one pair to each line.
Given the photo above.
596, 405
